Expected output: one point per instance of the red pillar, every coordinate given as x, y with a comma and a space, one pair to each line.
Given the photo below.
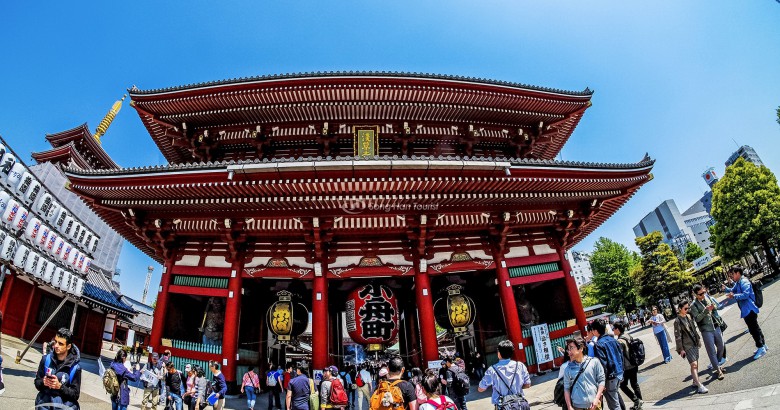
319, 317
423, 291
7, 287
573, 291
232, 314
161, 307
508, 305
27, 310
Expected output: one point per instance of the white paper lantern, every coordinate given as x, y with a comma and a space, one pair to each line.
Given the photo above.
73, 284
67, 227
74, 257
79, 287
31, 266
67, 250
59, 245
84, 267
33, 193
51, 269
43, 236
7, 162
20, 257
10, 212
40, 268
82, 236
87, 240
58, 216
20, 220
24, 183
65, 282
51, 243
15, 175
5, 198
43, 204
8, 249
56, 279
94, 245
74, 233
33, 229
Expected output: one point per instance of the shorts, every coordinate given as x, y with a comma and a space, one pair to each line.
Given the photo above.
692, 354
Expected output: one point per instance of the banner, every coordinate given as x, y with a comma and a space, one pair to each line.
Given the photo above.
542, 346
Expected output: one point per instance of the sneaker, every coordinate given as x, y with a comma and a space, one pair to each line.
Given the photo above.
759, 353
709, 366
722, 361
638, 404
721, 376
701, 389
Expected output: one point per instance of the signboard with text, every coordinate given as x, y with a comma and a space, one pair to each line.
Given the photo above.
542, 346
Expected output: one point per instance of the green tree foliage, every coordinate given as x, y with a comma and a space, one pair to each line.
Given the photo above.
746, 208
778, 115
660, 274
613, 285
588, 295
693, 252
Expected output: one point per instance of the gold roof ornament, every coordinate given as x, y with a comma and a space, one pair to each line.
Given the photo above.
106, 122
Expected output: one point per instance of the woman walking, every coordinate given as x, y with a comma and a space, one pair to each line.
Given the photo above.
431, 384
688, 342
124, 373
657, 321
704, 311
251, 386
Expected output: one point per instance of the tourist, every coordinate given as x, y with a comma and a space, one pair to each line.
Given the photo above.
704, 311
445, 374
273, 379
329, 377
688, 342
742, 292
174, 385
152, 377
431, 385
630, 371
346, 379
591, 337
479, 365
584, 379
353, 386
190, 393
219, 386
507, 377
124, 372
364, 382
395, 368
250, 384
416, 380
201, 388
610, 355
458, 386
58, 379
298, 391
657, 320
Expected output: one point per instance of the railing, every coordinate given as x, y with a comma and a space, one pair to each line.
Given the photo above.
196, 347
552, 327
531, 270
181, 362
200, 281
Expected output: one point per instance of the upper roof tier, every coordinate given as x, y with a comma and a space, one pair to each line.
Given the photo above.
76, 146
318, 114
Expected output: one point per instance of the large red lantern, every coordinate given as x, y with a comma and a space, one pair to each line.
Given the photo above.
372, 316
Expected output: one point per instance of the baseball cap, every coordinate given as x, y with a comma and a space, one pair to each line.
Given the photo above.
383, 372
188, 367
332, 369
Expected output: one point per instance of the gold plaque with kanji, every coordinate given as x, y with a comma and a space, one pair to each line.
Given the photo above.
366, 141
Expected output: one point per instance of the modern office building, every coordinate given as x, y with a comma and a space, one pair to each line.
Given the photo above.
667, 219
747, 152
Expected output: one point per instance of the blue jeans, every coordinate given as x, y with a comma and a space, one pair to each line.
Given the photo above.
116, 406
176, 399
251, 396
661, 336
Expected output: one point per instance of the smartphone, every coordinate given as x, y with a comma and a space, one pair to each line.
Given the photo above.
49, 372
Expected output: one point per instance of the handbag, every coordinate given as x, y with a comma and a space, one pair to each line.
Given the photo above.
314, 397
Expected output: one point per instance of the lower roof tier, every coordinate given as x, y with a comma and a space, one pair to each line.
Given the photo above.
372, 200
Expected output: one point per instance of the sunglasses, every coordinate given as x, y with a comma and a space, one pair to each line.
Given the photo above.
701, 293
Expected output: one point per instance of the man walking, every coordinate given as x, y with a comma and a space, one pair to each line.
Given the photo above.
395, 369
364, 383
445, 376
274, 382
507, 377
742, 292
610, 355
329, 376
219, 385
173, 385
298, 391
704, 311
630, 370
458, 388
152, 377
58, 379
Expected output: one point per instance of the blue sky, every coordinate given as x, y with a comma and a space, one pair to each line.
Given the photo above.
680, 80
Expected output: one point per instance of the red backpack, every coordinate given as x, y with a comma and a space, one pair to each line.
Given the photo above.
338, 396
444, 405
359, 381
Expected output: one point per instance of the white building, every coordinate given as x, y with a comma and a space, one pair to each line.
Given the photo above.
580, 267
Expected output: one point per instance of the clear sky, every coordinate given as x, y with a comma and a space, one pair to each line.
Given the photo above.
685, 81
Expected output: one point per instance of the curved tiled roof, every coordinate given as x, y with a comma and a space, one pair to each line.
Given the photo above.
542, 163
136, 91
100, 295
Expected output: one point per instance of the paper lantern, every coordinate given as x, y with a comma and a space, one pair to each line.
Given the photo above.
64, 284
43, 236
74, 233
87, 239
372, 315
7, 162
85, 267
33, 229
67, 248
31, 266
455, 312
287, 318
94, 244
33, 192
79, 287
59, 216
10, 212
20, 219
73, 284
81, 237
74, 257
24, 183
58, 247
50, 269
14, 176
8, 249
20, 257
43, 204
5, 198
67, 227
51, 243
56, 278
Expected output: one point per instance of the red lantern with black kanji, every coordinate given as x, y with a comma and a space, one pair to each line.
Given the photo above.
372, 315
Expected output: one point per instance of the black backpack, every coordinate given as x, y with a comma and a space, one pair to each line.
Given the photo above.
460, 383
636, 350
758, 294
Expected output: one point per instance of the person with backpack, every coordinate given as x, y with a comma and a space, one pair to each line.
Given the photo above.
431, 385
250, 384
58, 379
394, 392
364, 382
508, 378
416, 381
273, 379
445, 374
116, 378
688, 342
174, 385
608, 352
332, 392
459, 384
748, 301
584, 379
346, 380
630, 364
704, 311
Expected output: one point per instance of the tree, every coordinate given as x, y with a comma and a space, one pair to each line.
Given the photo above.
612, 263
588, 295
660, 274
778, 115
746, 208
693, 252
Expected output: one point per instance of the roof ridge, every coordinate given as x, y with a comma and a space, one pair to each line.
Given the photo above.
400, 74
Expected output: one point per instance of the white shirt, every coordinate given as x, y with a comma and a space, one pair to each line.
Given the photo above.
659, 319
366, 376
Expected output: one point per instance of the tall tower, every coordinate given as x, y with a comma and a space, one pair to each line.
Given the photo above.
709, 176
149, 271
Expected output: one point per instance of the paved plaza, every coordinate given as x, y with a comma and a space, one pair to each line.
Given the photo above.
748, 384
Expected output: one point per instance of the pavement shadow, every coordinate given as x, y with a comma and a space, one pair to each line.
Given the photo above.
19, 372
736, 366
651, 367
683, 393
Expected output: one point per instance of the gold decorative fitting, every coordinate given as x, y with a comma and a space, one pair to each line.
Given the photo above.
108, 119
